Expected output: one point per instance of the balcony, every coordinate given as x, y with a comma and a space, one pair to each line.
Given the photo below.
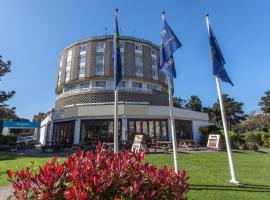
103, 88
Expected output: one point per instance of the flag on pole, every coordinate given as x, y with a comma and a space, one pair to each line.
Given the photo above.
117, 53
218, 59
169, 43
220, 73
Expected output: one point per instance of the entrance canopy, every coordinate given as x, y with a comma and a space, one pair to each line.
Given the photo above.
21, 125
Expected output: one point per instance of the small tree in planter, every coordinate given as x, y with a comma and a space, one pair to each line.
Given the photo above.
100, 175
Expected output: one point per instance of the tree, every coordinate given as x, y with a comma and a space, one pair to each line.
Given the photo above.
265, 102
233, 111
5, 111
194, 103
255, 122
178, 102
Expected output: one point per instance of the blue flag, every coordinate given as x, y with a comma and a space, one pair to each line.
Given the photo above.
217, 59
169, 43
117, 54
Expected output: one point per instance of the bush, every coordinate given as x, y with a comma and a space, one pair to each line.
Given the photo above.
266, 140
236, 140
7, 139
100, 175
245, 147
205, 131
254, 138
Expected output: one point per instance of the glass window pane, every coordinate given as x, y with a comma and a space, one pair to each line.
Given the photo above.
145, 127
138, 127
164, 130
157, 128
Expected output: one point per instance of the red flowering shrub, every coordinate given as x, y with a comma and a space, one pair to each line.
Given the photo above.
100, 175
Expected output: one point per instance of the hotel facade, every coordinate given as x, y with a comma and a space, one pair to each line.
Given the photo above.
85, 97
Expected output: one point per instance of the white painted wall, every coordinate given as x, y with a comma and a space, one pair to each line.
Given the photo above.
5, 131
42, 136
195, 128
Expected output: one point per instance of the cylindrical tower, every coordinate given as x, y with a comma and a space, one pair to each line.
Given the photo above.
85, 73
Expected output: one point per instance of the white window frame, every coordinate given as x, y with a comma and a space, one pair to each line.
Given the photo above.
122, 46
138, 48
98, 72
100, 61
100, 46
83, 49
101, 86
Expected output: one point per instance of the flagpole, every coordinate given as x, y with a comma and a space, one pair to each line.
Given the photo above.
115, 145
227, 140
172, 122
115, 135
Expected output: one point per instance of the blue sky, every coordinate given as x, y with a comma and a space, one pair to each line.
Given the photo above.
33, 33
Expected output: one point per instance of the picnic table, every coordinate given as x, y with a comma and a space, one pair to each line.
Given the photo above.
159, 144
188, 145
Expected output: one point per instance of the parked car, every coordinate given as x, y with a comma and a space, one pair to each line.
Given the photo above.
26, 139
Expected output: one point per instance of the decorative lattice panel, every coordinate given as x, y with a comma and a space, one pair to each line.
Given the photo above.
153, 98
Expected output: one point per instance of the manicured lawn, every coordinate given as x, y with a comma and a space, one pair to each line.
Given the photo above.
13, 162
209, 173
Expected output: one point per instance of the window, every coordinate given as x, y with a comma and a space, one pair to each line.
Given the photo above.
154, 62
122, 59
151, 86
69, 55
68, 66
139, 70
155, 74
59, 73
99, 69
83, 50
63, 132
84, 85
154, 52
183, 129
136, 85
82, 59
123, 70
122, 84
150, 128
67, 75
138, 47
100, 84
100, 47
139, 65
82, 72
100, 58
138, 59
70, 88
122, 46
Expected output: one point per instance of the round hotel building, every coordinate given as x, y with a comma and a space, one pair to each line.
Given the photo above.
85, 95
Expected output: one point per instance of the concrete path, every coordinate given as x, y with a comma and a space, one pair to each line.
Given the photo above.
5, 192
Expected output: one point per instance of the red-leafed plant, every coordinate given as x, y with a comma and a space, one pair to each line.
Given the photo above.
100, 175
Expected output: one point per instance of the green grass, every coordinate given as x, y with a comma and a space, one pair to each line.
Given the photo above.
9, 161
209, 173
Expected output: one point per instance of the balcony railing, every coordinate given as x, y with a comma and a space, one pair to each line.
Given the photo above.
103, 88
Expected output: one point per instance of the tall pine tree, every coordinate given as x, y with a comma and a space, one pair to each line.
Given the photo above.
6, 113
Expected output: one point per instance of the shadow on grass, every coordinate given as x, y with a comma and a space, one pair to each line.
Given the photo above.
240, 188
4, 156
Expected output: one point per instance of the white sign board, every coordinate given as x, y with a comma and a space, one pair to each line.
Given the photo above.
136, 147
213, 141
